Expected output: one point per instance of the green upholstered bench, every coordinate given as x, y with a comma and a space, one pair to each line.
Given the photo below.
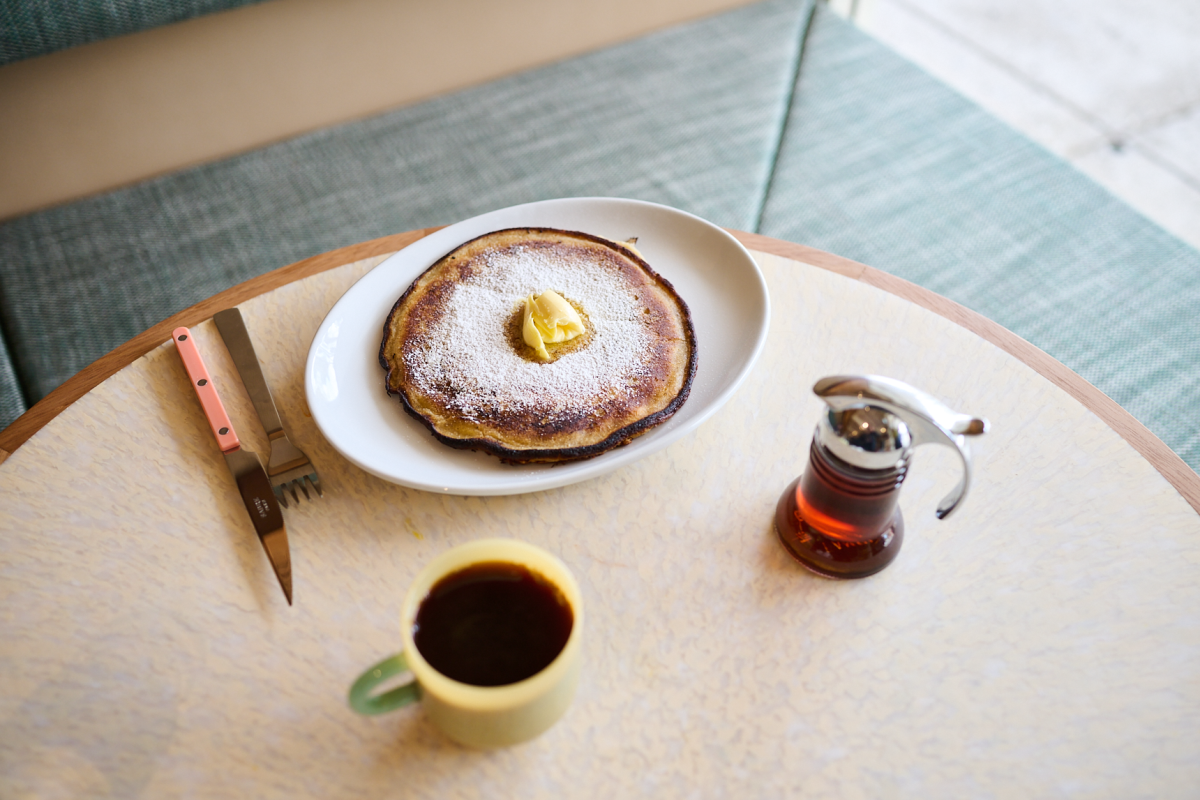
31, 28
778, 118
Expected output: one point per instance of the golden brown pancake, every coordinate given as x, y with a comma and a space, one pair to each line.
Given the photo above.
454, 355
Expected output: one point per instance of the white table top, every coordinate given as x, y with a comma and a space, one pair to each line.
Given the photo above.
1042, 641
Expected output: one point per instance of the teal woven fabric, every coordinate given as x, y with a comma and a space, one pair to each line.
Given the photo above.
35, 27
688, 117
885, 165
12, 401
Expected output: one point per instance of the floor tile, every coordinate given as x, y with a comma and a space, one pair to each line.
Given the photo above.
1140, 180
1111, 85
986, 79
1177, 144
1126, 63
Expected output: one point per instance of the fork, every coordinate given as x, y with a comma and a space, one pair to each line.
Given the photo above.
287, 467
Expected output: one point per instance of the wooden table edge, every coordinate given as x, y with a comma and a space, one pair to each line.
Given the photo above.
1162, 458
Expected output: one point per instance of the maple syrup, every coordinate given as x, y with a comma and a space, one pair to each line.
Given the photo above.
840, 521
841, 518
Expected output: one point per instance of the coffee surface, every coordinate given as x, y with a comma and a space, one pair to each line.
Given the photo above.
492, 624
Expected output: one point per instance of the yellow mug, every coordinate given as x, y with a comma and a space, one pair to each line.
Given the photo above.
480, 716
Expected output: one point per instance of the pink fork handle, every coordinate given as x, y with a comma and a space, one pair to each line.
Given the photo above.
210, 401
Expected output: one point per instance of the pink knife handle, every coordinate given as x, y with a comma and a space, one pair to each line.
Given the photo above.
210, 401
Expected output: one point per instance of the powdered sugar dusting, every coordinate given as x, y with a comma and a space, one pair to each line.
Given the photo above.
466, 356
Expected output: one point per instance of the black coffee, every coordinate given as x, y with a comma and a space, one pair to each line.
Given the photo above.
492, 624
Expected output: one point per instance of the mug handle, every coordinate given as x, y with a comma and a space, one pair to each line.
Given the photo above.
360, 693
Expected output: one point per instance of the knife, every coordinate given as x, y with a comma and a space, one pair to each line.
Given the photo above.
252, 481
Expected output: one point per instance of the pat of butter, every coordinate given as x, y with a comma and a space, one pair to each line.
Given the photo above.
549, 318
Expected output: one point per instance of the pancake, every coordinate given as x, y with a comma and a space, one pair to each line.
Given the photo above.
454, 355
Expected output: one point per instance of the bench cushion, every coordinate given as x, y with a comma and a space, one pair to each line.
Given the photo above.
35, 27
12, 399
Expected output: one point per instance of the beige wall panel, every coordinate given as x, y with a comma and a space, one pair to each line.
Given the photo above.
110, 113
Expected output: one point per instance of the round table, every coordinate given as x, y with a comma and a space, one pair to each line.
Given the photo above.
1043, 640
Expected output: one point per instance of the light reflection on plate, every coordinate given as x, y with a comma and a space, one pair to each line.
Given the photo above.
324, 379
711, 271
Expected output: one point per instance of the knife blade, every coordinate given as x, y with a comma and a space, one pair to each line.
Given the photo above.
248, 473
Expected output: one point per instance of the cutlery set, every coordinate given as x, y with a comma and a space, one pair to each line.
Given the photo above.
288, 469
287, 466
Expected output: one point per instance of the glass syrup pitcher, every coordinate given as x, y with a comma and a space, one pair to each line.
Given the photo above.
841, 518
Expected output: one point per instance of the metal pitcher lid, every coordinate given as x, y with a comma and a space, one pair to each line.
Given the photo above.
874, 421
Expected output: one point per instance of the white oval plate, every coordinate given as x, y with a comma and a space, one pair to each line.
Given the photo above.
711, 271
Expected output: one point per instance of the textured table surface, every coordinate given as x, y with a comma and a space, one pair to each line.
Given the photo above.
1043, 641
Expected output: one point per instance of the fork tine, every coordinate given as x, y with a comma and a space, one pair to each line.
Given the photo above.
291, 483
